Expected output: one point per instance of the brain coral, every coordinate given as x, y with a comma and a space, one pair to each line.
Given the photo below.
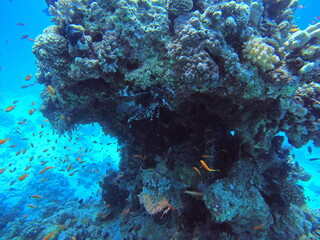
259, 52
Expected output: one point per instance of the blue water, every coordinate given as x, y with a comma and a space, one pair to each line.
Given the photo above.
89, 144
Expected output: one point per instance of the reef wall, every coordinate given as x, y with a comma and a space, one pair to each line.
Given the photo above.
182, 81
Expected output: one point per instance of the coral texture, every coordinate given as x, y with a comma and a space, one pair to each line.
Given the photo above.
182, 81
261, 53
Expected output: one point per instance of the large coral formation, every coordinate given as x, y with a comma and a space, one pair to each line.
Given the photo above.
180, 81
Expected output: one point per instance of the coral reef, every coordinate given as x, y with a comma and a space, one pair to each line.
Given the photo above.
182, 81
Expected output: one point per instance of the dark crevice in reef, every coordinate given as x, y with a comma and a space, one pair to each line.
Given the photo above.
195, 103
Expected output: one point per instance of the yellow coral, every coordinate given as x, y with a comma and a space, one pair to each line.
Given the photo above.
261, 53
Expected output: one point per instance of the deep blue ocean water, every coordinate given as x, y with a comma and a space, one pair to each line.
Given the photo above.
97, 150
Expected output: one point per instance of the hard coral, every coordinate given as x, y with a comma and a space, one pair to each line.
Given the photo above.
179, 6
259, 52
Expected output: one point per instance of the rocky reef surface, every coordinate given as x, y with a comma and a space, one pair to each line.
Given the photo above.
182, 81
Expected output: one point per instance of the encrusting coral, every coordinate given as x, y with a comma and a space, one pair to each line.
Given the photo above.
182, 81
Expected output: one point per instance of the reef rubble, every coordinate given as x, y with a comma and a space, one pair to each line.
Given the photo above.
177, 82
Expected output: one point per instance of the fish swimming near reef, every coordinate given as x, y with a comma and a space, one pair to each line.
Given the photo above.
2, 141
28, 77
24, 36
49, 236
10, 108
31, 111
32, 206
45, 169
51, 90
36, 196
314, 159
23, 177
258, 227
207, 168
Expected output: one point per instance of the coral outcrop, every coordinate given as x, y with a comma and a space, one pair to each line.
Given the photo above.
182, 81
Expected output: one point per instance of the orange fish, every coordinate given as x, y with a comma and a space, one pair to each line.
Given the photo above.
207, 156
27, 168
49, 236
258, 227
51, 90
24, 151
32, 206
12, 146
24, 36
2, 170
2, 141
22, 122
31, 111
125, 212
36, 196
10, 108
69, 167
207, 168
43, 180
23, 177
28, 77
45, 169
197, 170
24, 86
104, 215
18, 152
74, 238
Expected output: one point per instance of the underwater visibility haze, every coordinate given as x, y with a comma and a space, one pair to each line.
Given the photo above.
160, 119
